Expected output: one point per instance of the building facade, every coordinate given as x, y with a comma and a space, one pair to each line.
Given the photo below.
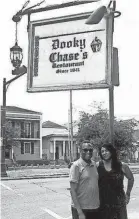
26, 125
56, 142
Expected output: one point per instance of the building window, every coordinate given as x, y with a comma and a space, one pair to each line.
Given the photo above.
7, 153
27, 147
27, 129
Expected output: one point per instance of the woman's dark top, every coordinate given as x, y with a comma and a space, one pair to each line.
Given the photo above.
111, 187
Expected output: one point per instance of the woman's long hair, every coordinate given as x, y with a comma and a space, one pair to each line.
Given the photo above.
116, 164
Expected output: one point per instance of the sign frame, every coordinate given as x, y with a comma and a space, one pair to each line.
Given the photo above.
109, 55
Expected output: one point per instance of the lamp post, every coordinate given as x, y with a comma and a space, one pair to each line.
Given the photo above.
3, 131
16, 57
19, 72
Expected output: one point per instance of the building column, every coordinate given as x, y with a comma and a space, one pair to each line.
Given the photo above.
63, 149
40, 129
11, 153
54, 149
69, 150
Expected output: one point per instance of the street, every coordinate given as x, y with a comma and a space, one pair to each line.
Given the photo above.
46, 199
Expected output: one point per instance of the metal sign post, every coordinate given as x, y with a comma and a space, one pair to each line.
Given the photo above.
71, 128
111, 114
114, 67
111, 87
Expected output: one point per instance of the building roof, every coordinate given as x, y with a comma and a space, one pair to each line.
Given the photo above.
55, 135
58, 135
49, 124
14, 109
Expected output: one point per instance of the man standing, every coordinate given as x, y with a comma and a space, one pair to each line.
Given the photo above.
84, 185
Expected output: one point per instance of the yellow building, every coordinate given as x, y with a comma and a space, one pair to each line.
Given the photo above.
29, 139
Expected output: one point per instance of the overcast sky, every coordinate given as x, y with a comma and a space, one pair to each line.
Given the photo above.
54, 106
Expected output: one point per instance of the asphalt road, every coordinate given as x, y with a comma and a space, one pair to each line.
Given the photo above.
46, 199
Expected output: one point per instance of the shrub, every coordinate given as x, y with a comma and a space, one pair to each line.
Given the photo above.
67, 160
32, 162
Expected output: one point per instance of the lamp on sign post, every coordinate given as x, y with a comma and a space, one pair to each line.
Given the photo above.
100, 12
96, 16
16, 55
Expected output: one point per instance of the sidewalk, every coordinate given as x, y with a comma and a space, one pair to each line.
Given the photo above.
36, 173
40, 173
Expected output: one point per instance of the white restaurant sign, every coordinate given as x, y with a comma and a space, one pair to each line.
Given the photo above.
65, 53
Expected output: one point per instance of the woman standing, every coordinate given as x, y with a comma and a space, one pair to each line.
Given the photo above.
113, 199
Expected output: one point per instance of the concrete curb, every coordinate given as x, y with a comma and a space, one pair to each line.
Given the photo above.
35, 177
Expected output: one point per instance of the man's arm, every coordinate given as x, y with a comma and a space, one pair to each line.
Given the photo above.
129, 175
73, 186
74, 180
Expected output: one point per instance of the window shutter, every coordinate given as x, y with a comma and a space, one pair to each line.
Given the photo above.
22, 147
32, 129
22, 130
38, 131
32, 147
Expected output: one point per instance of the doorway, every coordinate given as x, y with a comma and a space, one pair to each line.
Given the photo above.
57, 153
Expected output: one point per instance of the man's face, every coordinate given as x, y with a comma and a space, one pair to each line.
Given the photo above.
86, 152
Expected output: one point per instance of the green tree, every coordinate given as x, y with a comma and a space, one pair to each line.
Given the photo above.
95, 127
124, 134
12, 135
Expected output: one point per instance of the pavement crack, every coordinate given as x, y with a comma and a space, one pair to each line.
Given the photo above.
52, 190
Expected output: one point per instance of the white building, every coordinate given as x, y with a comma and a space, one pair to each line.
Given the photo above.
56, 142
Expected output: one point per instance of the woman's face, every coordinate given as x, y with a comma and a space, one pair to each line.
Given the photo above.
105, 154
